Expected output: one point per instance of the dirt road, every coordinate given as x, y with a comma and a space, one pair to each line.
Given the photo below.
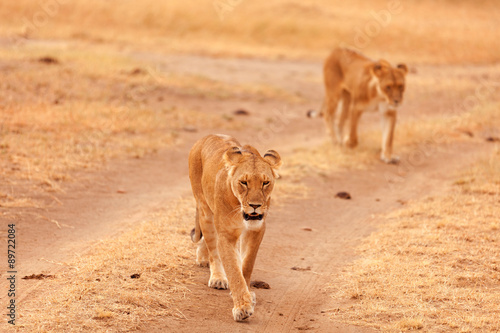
308, 241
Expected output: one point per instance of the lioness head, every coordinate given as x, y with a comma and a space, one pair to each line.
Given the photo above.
252, 179
391, 81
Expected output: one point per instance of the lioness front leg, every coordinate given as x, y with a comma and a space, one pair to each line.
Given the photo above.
329, 109
250, 244
218, 279
389, 124
243, 302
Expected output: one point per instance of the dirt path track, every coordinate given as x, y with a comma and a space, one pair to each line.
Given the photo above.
112, 200
297, 299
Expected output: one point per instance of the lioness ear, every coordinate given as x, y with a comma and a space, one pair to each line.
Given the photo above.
403, 67
377, 69
273, 158
231, 158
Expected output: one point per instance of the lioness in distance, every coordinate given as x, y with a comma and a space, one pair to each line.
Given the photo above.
232, 186
354, 84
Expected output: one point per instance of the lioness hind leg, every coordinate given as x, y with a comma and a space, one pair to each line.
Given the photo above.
202, 257
329, 109
343, 108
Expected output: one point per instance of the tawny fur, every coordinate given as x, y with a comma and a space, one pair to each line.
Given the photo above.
232, 185
355, 84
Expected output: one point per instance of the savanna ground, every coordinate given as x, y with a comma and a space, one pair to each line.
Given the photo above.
101, 101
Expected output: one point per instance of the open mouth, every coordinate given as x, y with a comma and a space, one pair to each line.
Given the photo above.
253, 216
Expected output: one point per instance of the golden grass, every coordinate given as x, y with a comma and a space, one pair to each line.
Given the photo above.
417, 31
97, 293
89, 108
433, 265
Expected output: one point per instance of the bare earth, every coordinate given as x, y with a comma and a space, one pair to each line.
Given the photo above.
316, 235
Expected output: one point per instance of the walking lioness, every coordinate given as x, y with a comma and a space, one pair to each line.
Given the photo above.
232, 186
354, 84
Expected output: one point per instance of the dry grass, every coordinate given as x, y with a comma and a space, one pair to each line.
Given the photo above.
100, 107
434, 265
97, 292
417, 31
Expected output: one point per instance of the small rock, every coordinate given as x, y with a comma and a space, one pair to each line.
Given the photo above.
135, 276
241, 112
343, 195
137, 71
260, 285
301, 269
48, 60
307, 229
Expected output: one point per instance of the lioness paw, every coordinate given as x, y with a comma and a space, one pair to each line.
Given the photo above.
392, 160
218, 283
202, 263
243, 312
350, 143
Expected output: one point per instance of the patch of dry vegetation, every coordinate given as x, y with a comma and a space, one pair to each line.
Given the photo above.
413, 30
122, 283
434, 265
82, 109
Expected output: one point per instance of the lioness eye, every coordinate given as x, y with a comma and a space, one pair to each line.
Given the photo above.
265, 183
243, 183
388, 88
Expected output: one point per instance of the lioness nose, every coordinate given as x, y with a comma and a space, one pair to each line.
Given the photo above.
254, 206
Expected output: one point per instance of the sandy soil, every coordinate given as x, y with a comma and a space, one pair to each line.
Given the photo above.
317, 234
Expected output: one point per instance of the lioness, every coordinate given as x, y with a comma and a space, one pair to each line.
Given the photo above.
232, 186
353, 84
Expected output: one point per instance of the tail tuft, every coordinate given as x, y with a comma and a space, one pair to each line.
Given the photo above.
194, 237
313, 114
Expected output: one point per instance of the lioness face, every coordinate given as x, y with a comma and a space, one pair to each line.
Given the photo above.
391, 82
253, 191
252, 181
